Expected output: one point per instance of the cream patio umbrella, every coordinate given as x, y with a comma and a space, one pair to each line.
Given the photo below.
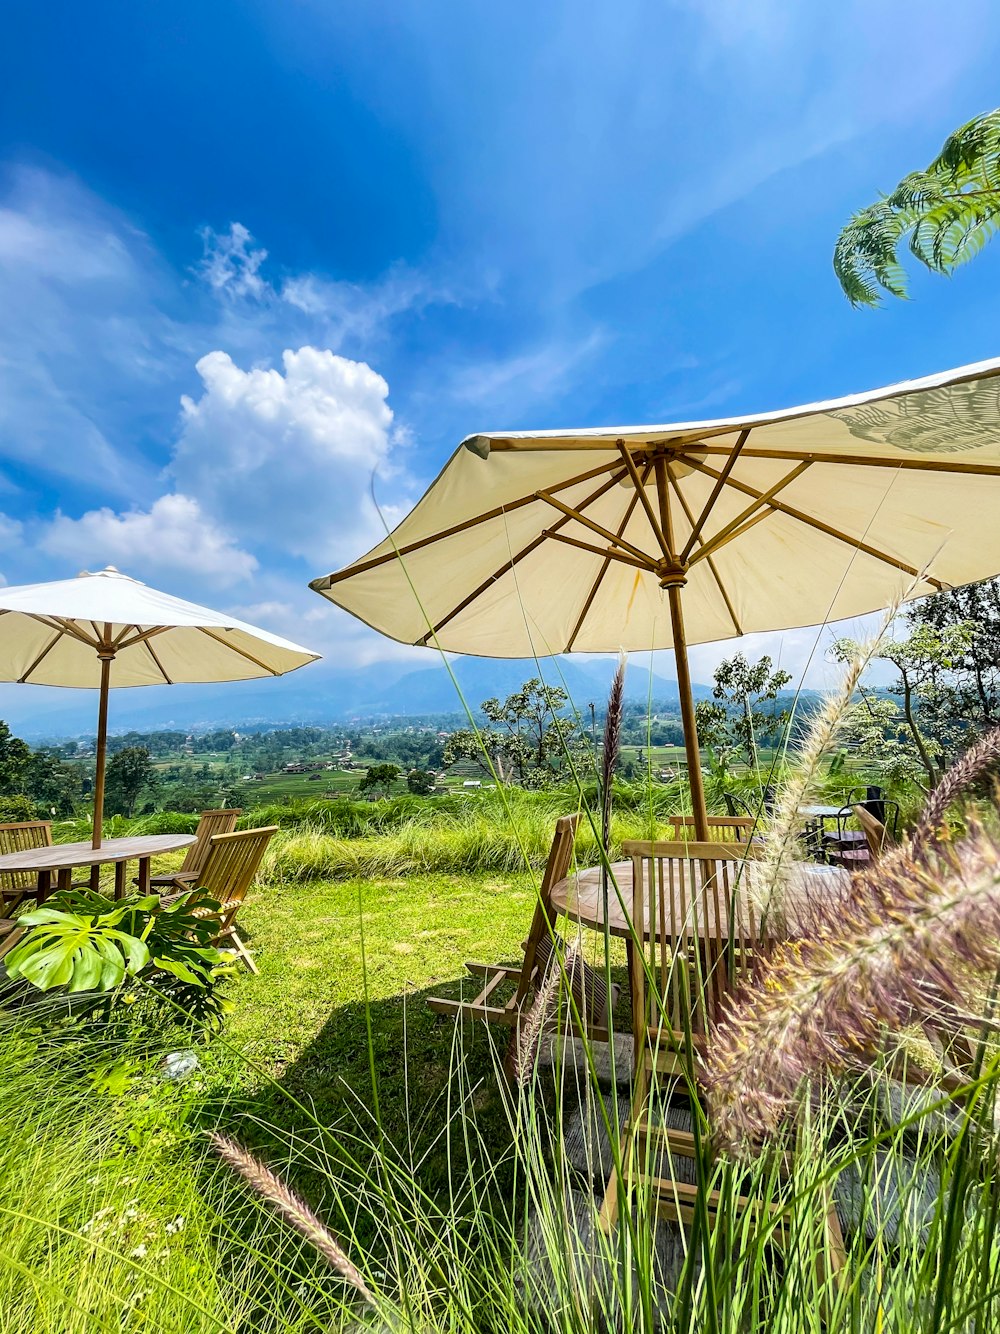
107, 630
643, 537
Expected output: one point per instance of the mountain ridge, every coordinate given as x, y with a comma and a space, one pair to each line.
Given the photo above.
324, 695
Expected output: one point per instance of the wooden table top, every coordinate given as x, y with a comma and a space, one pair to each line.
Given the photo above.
62, 855
580, 896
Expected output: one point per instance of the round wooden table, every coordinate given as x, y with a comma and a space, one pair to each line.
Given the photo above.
61, 859
580, 897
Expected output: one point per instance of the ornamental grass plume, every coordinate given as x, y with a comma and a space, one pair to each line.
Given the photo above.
529, 1032
977, 761
897, 950
293, 1209
611, 749
781, 840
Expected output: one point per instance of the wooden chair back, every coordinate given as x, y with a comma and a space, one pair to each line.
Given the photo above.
210, 823
543, 921
875, 832
699, 929
19, 838
230, 868
723, 828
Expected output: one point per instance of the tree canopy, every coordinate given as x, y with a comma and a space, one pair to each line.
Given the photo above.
528, 738
946, 213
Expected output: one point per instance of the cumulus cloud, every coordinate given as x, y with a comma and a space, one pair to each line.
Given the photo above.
173, 534
283, 458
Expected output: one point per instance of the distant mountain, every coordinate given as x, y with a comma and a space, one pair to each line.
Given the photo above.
322, 695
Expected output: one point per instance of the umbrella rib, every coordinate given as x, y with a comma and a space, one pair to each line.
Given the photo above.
822, 527
360, 567
729, 531
117, 643
21, 680
143, 635
863, 460
645, 501
711, 563
615, 539
234, 648
727, 468
66, 627
595, 587
159, 665
603, 552
511, 562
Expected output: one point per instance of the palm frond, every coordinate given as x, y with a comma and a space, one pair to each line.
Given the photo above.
948, 212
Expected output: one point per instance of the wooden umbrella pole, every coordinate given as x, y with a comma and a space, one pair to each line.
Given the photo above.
673, 579
698, 808
102, 747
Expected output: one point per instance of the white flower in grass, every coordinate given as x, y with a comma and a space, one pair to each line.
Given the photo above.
176, 1226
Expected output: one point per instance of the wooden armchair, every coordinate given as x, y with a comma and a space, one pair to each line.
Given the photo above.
16, 886
695, 935
724, 828
226, 877
210, 823
589, 989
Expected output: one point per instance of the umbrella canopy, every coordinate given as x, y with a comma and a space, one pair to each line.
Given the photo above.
105, 629
583, 539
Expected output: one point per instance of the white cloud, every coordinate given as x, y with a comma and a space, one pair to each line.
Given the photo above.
11, 532
362, 313
82, 336
526, 377
285, 459
174, 534
230, 263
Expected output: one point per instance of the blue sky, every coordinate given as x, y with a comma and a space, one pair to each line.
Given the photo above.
250, 250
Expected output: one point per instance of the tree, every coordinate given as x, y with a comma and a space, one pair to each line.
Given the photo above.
733, 720
129, 773
420, 782
379, 778
878, 733
51, 784
528, 740
14, 756
948, 212
925, 659
975, 669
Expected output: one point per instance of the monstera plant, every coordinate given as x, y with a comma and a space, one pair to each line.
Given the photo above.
82, 941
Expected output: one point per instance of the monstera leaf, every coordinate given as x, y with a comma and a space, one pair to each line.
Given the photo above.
82, 941
76, 952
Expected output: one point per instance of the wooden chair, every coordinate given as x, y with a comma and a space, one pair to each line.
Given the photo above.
876, 833
696, 931
724, 828
588, 987
227, 875
16, 886
854, 849
210, 823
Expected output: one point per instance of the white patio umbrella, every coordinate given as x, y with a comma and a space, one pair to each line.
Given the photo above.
103, 630
643, 537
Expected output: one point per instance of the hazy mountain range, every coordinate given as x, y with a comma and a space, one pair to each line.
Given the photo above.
322, 695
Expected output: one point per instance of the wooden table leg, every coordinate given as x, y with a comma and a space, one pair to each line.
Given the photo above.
95, 878
120, 868
64, 879
44, 886
142, 880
